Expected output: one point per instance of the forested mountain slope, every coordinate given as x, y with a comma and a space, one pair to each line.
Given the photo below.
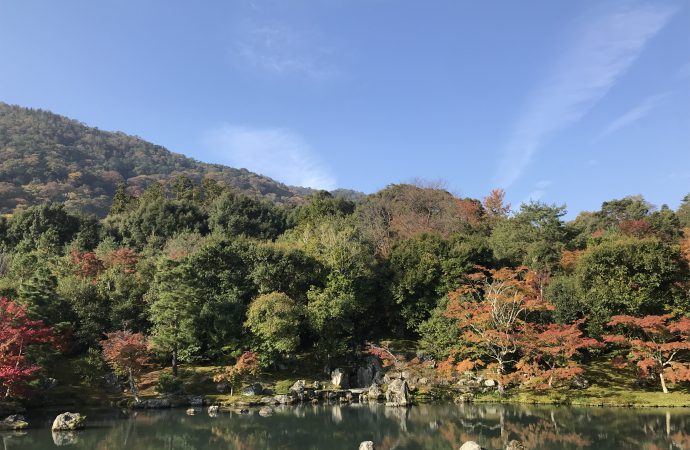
45, 156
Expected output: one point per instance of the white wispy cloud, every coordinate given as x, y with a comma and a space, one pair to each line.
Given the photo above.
634, 114
538, 191
282, 50
602, 51
276, 152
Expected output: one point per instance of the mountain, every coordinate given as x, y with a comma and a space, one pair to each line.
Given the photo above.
45, 156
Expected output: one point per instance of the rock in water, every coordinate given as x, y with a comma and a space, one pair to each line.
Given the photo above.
471, 445
68, 421
397, 393
266, 411
190, 411
14, 422
366, 445
515, 445
213, 410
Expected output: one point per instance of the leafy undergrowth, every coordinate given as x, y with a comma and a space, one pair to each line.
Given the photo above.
609, 387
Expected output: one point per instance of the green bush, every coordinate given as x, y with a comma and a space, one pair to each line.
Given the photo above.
168, 384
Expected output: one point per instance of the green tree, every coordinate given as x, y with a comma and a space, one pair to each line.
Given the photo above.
174, 307
236, 214
274, 320
683, 212
631, 276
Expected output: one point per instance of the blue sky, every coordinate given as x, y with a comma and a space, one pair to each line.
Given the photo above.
558, 101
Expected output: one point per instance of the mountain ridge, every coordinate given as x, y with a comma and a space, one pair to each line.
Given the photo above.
50, 157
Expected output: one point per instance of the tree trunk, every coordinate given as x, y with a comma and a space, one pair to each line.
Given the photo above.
133, 385
663, 383
174, 362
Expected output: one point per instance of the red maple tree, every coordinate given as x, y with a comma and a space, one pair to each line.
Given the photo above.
127, 354
18, 334
549, 352
246, 365
653, 343
491, 309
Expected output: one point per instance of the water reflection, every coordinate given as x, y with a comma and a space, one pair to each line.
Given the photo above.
342, 427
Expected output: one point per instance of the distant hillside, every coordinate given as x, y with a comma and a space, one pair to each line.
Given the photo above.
45, 156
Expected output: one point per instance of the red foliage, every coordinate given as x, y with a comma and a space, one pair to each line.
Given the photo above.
122, 257
636, 228
385, 355
17, 335
88, 265
493, 204
653, 343
549, 351
126, 353
491, 309
246, 365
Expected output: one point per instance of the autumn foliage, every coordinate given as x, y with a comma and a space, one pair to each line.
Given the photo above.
127, 354
247, 364
18, 336
653, 343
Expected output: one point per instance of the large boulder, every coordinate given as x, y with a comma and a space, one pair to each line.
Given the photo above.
375, 392
515, 445
14, 422
338, 379
366, 445
369, 373
471, 445
298, 387
253, 389
285, 399
68, 421
213, 410
397, 393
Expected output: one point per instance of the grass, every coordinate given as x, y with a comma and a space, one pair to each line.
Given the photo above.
609, 387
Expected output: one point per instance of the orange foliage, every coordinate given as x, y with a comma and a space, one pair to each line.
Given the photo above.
569, 259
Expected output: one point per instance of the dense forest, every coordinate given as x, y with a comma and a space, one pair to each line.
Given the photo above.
206, 273
47, 157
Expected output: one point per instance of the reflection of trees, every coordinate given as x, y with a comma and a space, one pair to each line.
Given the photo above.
341, 427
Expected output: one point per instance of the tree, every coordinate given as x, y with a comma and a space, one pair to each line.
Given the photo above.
246, 365
236, 214
653, 343
495, 206
173, 312
127, 354
630, 276
18, 336
683, 212
549, 351
491, 309
274, 319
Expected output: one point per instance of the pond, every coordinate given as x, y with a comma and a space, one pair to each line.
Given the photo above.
335, 427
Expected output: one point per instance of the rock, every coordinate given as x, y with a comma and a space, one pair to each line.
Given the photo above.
397, 393
366, 445
253, 389
467, 397
152, 403
338, 378
375, 392
68, 422
61, 438
49, 383
369, 373
14, 422
579, 382
196, 401
515, 445
285, 399
222, 387
242, 411
298, 387
317, 385
213, 410
190, 411
471, 445
423, 381
489, 383
405, 375
269, 401
266, 411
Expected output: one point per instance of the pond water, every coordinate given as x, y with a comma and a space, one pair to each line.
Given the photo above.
335, 427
